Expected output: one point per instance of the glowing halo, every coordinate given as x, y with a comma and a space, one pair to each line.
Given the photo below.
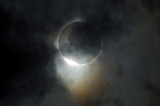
71, 62
67, 60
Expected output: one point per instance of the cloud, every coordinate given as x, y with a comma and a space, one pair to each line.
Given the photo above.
125, 74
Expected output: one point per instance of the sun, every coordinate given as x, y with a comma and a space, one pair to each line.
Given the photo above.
74, 40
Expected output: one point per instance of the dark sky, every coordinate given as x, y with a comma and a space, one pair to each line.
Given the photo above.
127, 72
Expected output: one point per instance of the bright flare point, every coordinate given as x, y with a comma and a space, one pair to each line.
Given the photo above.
71, 62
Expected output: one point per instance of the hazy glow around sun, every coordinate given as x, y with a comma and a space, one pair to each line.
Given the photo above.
71, 62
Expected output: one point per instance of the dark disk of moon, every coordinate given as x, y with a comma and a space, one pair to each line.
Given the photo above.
79, 41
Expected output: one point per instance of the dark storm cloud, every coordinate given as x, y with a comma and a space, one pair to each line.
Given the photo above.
129, 31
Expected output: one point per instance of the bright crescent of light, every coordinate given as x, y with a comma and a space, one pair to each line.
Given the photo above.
69, 61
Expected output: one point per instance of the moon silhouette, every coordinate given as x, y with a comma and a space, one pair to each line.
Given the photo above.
79, 43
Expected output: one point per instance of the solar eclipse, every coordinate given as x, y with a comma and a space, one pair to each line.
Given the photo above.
79, 43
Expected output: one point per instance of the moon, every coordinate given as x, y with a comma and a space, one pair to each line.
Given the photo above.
79, 43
